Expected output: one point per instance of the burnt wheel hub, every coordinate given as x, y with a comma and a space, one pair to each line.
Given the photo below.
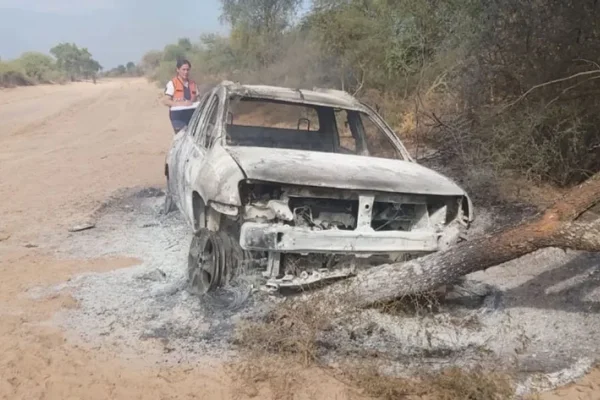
205, 262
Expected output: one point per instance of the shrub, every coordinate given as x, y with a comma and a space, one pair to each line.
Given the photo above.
37, 67
12, 75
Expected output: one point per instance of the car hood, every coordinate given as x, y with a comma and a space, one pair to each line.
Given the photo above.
342, 171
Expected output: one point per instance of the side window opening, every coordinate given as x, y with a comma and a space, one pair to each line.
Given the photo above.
197, 116
212, 121
194, 121
378, 143
273, 114
208, 122
346, 138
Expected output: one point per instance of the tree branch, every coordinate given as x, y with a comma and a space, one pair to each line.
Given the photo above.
585, 73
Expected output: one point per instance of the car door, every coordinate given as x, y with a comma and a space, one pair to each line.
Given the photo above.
185, 142
172, 161
196, 155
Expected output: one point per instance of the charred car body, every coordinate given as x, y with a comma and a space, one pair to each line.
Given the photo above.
307, 184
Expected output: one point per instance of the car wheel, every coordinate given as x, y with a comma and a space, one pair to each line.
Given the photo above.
205, 261
214, 259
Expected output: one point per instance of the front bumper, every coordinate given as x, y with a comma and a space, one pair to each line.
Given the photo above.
285, 238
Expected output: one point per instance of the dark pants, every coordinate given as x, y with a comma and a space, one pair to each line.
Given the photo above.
178, 125
179, 119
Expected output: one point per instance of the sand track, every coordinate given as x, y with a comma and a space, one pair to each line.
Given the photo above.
68, 150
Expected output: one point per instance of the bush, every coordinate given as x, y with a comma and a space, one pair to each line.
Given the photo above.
38, 67
32, 68
12, 75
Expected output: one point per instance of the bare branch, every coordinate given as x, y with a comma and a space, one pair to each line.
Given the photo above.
595, 64
362, 80
570, 88
586, 73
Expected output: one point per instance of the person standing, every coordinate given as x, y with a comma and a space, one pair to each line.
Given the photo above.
180, 91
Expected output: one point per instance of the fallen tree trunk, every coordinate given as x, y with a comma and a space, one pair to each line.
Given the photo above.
560, 226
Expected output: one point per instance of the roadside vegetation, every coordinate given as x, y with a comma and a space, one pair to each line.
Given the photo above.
503, 90
128, 70
66, 62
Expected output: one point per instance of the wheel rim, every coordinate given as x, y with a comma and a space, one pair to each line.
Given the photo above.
204, 265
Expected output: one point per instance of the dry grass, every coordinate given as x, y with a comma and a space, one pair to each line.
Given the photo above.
292, 329
276, 377
451, 384
421, 304
455, 383
286, 344
520, 190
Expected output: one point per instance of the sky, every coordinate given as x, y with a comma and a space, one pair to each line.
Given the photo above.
114, 31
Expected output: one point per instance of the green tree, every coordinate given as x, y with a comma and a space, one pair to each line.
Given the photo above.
67, 58
173, 52
260, 15
151, 60
185, 44
74, 61
90, 68
258, 27
131, 68
217, 54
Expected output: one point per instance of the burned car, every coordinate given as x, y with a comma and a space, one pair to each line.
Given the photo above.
308, 185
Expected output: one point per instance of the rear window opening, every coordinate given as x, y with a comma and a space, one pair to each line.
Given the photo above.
270, 114
264, 123
269, 123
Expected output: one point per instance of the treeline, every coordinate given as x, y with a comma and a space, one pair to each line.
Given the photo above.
511, 87
129, 69
66, 62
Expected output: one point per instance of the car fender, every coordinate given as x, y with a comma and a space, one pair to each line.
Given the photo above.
217, 179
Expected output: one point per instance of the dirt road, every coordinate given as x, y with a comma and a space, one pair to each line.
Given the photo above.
65, 148
63, 151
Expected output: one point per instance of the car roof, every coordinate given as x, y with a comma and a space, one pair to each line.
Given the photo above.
316, 96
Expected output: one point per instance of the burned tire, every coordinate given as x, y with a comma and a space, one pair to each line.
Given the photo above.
235, 257
214, 259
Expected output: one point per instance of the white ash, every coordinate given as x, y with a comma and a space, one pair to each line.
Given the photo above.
538, 314
145, 310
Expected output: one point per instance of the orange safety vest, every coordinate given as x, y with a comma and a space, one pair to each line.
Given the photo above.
179, 94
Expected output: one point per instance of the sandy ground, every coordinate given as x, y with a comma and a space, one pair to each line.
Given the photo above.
74, 306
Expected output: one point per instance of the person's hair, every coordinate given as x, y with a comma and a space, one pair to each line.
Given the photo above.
181, 63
